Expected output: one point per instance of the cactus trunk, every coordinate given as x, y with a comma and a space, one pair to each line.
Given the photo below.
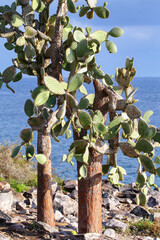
45, 212
90, 196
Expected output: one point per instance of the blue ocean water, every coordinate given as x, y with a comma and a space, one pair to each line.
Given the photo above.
13, 120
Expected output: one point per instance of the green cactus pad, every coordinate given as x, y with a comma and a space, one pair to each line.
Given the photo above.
70, 155
147, 164
70, 56
98, 117
100, 127
82, 89
75, 82
17, 21
30, 32
71, 101
98, 73
80, 146
38, 90
84, 119
30, 151
44, 36
28, 108
65, 128
158, 171
144, 146
147, 115
116, 32
78, 36
83, 11
26, 134
156, 138
51, 102
108, 80
41, 98
92, 3
128, 150
35, 4
111, 46
41, 7
157, 160
118, 89
41, 158
102, 12
18, 77
101, 147
150, 132
83, 104
54, 85
105, 169
100, 35
83, 171
15, 151
142, 126
127, 128
133, 112
140, 180
20, 41
29, 53
86, 155
9, 74
71, 6
9, 46
62, 111
81, 48
142, 199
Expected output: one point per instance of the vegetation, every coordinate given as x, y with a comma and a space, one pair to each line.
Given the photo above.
47, 43
19, 173
146, 228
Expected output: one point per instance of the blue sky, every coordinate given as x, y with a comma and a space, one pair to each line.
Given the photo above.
140, 20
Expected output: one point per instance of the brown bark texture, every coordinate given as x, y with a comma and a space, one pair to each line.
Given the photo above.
45, 212
89, 189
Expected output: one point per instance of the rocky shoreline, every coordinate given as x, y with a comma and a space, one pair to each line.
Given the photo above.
18, 213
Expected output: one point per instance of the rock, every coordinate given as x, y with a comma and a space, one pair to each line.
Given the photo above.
2, 221
74, 194
27, 195
105, 195
110, 203
19, 228
155, 216
58, 216
4, 185
115, 224
5, 216
20, 206
74, 226
109, 232
2, 237
140, 211
54, 187
46, 228
65, 204
70, 185
6, 201
152, 202
91, 236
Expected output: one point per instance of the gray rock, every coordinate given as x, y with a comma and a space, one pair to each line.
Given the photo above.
140, 211
155, 216
91, 236
70, 185
54, 187
87, 236
74, 226
19, 228
2, 237
109, 232
58, 216
115, 224
74, 194
152, 202
5, 216
4, 185
20, 206
6, 201
45, 227
110, 203
65, 204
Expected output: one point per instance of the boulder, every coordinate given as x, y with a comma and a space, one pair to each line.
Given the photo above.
4, 186
46, 228
6, 201
19, 228
2, 237
65, 204
74, 194
109, 232
152, 202
155, 216
115, 224
54, 187
70, 185
140, 211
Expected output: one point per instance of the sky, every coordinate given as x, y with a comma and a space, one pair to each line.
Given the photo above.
140, 20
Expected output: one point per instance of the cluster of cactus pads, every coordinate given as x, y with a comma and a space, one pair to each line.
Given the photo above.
23, 35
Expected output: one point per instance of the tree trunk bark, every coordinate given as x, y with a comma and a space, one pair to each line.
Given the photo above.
89, 196
45, 212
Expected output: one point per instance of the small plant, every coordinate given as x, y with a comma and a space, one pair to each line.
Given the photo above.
146, 227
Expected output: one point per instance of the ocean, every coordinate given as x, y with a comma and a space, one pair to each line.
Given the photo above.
13, 120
